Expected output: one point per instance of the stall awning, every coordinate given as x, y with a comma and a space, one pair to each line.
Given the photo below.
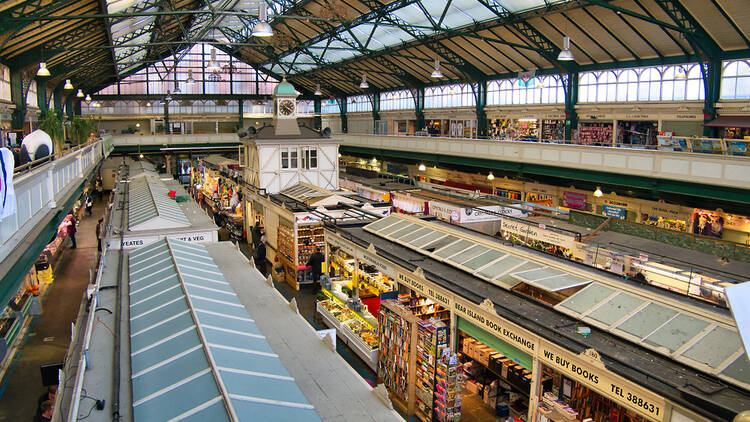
730, 121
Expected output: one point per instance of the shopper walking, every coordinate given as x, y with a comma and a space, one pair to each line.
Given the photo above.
257, 233
73, 230
260, 256
316, 263
45, 412
89, 201
99, 233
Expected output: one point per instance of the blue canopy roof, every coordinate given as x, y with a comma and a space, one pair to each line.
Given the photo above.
195, 352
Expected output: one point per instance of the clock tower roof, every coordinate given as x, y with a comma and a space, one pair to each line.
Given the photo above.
284, 88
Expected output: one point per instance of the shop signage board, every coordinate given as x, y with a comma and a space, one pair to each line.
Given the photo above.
476, 215
348, 247
665, 210
589, 371
425, 288
500, 328
444, 212
381, 264
138, 241
613, 211
574, 200
537, 233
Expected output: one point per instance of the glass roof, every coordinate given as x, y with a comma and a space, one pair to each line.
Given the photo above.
403, 25
681, 335
151, 207
463, 252
191, 338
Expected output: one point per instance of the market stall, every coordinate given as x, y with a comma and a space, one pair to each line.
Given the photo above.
158, 209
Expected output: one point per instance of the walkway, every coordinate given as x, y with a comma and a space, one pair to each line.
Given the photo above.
49, 334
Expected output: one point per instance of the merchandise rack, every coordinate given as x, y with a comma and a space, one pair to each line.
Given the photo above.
397, 358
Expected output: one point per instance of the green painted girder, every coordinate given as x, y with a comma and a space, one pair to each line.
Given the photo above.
364, 18
445, 34
700, 190
696, 34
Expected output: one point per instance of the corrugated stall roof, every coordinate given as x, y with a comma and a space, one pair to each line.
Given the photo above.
195, 352
151, 207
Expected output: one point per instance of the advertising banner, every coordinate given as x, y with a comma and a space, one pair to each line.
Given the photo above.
537, 233
574, 200
613, 211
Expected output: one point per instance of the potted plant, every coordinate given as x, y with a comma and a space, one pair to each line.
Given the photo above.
52, 125
80, 129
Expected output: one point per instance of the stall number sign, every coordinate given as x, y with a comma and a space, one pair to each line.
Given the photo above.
606, 383
494, 325
440, 297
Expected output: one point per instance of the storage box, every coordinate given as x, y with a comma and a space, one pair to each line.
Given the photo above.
506, 365
494, 363
482, 354
467, 346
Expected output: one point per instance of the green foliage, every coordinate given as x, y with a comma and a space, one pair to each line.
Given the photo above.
81, 128
53, 126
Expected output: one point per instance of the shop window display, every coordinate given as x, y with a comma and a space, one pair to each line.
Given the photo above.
565, 399
637, 132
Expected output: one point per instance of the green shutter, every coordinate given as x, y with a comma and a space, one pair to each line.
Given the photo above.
500, 346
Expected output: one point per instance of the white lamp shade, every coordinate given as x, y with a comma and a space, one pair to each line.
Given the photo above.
88, 97
565, 54
436, 74
598, 192
490, 176
68, 85
318, 92
262, 29
422, 167
364, 84
79, 94
43, 71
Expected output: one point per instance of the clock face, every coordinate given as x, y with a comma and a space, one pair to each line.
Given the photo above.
286, 107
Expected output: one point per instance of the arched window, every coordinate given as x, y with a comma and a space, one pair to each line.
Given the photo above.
654, 83
735, 80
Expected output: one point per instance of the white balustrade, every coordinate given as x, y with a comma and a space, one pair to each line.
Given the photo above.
713, 169
44, 188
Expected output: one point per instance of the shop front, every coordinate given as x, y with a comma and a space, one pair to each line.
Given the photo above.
405, 202
666, 216
581, 388
533, 124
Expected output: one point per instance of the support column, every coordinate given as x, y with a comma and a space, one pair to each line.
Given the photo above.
481, 112
57, 100
41, 95
342, 109
19, 99
241, 116
712, 85
69, 106
419, 108
317, 119
571, 99
167, 126
77, 107
376, 111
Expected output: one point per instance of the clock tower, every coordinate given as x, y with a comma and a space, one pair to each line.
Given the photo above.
285, 109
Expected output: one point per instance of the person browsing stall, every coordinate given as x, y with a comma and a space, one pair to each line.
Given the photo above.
316, 262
